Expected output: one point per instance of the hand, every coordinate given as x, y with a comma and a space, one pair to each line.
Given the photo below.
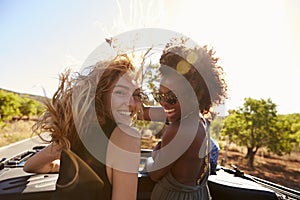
154, 152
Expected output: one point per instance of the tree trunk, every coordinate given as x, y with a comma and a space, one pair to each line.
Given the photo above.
224, 159
247, 155
250, 156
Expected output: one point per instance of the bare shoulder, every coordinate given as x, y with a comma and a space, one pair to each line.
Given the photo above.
123, 151
169, 134
126, 137
127, 131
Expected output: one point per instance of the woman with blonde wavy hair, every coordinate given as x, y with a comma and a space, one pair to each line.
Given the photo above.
91, 115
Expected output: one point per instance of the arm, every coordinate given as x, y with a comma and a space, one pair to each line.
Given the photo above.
45, 161
124, 185
155, 171
153, 113
123, 158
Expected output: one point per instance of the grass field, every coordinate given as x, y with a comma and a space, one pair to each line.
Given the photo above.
15, 131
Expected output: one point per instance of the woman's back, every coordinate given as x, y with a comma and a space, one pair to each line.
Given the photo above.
189, 167
187, 177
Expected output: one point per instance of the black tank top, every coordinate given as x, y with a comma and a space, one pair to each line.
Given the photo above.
96, 161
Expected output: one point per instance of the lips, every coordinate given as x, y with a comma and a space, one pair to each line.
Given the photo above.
169, 110
125, 113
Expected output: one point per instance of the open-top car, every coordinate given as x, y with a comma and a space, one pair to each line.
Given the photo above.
225, 184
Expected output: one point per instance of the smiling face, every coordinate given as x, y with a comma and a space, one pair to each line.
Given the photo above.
124, 100
172, 108
176, 95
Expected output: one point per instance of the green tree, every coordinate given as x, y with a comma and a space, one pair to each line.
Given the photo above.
15, 105
216, 126
29, 107
232, 126
289, 126
150, 83
255, 125
40, 108
151, 78
230, 132
9, 105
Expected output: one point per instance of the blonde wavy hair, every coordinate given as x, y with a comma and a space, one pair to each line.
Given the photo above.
68, 111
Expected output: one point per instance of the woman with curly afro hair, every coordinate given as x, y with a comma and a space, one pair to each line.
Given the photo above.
191, 84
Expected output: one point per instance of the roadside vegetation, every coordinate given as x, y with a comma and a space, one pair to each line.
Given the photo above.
15, 131
17, 115
16, 106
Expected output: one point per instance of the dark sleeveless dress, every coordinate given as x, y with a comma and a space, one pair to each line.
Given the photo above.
168, 188
88, 190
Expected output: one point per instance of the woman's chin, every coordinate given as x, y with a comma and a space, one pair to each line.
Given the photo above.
125, 120
172, 117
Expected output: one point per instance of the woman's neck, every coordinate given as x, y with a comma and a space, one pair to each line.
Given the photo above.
190, 114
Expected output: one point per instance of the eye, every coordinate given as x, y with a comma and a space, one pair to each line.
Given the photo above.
140, 96
120, 92
170, 94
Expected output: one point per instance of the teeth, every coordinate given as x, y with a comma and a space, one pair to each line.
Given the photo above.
125, 113
171, 110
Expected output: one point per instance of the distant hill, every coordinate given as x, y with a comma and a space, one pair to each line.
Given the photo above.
35, 97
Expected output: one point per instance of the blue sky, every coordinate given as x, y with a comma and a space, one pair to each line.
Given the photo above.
258, 41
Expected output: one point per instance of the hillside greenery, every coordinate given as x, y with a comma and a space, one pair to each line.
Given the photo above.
15, 106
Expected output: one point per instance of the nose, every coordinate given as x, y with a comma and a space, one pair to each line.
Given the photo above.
163, 103
133, 103
131, 100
